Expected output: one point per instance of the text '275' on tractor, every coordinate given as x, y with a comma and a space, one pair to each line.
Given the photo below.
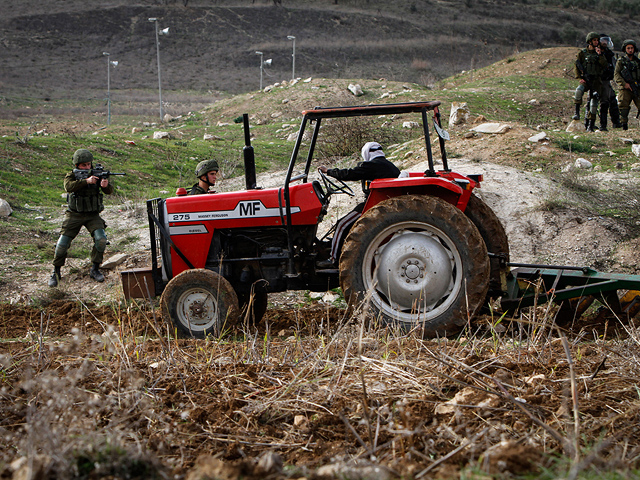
425, 254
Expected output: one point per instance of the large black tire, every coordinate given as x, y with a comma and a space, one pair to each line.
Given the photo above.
495, 238
416, 261
199, 302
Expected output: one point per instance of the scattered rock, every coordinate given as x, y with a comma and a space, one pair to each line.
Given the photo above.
167, 118
459, 113
636, 150
114, 261
161, 135
626, 141
5, 208
492, 127
355, 89
635, 167
583, 163
538, 137
410, 124
210, 137
575, 126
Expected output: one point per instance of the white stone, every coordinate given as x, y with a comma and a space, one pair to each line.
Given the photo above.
307, 80
5, 208
329, 297
635, 167
459, 113
161, 135
114, 261
636, 149
583, 163
210, 137
575, 126
136, 130
167, 118
492, 128
538, 137
410, 124
355, 89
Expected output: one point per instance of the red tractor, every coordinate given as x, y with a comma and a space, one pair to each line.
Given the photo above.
425, 253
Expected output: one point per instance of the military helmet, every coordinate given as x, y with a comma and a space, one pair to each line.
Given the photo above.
592, 35
205, 167
82, 155
630, 42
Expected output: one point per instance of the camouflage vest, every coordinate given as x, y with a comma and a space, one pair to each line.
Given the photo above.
632, 66
86, 200
591, 62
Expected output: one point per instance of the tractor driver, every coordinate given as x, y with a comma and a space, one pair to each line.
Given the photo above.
207, 173
374, 166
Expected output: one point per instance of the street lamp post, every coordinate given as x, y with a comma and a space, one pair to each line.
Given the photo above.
158, 33
261, 66
108, 88
115, 64
293, 70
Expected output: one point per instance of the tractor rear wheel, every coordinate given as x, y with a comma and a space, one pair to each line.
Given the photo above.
495, 238
199, 302
418, 262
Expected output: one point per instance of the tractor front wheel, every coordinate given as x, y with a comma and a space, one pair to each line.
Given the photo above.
416, 261
199, 302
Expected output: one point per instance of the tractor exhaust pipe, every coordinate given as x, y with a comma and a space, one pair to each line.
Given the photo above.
249, 158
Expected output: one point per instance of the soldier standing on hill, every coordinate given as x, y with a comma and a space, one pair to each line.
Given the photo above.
627, 76
608, 101
84, 197
207, 173
589, 67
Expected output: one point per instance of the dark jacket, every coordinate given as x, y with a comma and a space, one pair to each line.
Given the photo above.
378, 167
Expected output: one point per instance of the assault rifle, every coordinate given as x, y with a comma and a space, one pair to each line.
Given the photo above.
626, 76
98, 171
584, 75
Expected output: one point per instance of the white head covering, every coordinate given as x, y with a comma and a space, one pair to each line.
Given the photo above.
371, 150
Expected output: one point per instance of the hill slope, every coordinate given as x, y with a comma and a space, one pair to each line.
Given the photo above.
55, 49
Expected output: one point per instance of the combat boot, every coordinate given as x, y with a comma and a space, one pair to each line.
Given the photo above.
603, 121
577, 114
625, 126
95, 273
591, 127
55, 277
614, 112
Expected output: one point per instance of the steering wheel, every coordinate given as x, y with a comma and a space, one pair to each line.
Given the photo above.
333, 185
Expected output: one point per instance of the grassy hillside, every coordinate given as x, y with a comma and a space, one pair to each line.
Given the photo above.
54, 49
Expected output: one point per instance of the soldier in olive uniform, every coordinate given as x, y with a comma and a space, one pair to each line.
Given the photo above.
627, 76
608, 102
589, 67
207, 173
85, 203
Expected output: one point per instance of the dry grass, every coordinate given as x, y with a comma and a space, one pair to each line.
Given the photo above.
321, 392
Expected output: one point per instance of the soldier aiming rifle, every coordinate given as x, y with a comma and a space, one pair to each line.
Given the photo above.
85, 186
